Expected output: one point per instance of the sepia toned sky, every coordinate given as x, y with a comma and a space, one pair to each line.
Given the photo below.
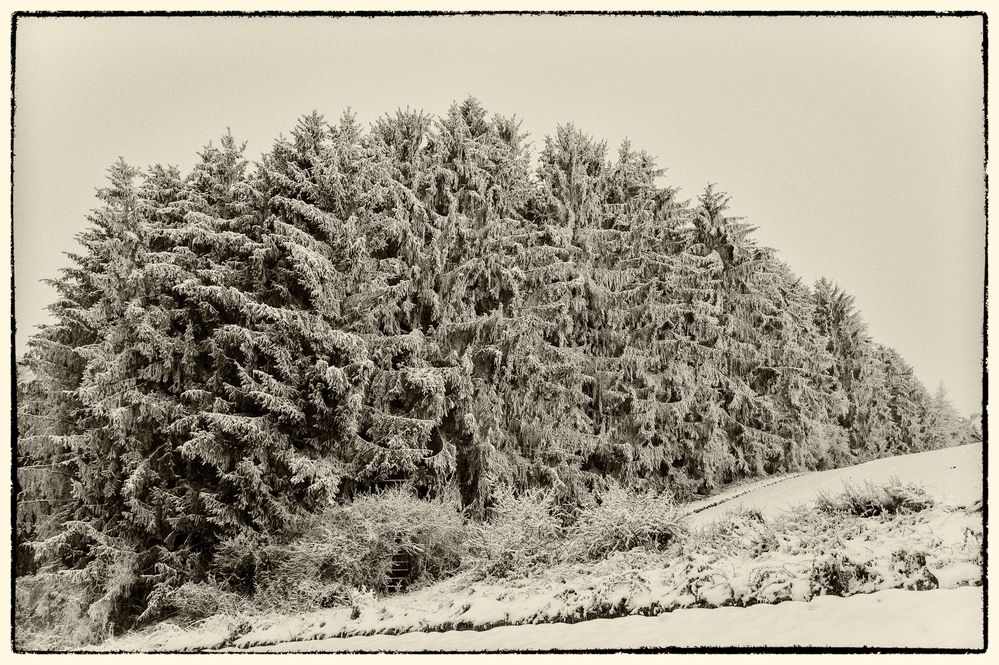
853, 144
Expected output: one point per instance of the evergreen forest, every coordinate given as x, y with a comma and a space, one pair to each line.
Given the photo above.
423, 304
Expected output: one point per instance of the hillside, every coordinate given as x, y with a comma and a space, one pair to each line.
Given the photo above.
952, 475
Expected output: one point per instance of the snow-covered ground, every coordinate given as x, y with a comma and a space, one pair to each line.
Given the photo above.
724, 565
944, 618
953, 476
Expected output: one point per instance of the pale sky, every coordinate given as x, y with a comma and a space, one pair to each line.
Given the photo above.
854, 144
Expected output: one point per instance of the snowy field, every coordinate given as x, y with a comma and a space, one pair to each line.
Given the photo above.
750, 576
944, 618
953, 476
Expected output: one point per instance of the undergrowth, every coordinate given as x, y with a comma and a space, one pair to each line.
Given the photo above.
344, 556
871, 500
530, 531
622, 552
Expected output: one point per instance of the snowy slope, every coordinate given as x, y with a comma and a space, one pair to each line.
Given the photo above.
952, 475
945, 618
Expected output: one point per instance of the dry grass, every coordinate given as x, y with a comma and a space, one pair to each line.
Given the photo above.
529, 532
524, 532
870, 500
624, 520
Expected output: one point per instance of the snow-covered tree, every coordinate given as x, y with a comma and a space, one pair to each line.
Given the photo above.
235, 349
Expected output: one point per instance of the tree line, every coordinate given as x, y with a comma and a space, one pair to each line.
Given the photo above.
240, 346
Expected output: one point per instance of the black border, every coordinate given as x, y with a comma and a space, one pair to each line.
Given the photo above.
14, 491
985, 343
435, 13
16, 15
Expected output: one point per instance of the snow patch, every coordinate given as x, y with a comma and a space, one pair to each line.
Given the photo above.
948, 619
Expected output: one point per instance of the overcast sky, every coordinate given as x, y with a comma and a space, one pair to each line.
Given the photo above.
854, 144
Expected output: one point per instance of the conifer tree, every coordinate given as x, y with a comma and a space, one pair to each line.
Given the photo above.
92, 352
481, 184
771, 390
943, 423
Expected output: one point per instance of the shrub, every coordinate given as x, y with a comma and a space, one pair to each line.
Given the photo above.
835, 575
870, 500
742, 529
911, 567
973, 540
522, 532
623, 520
194, 601
347, 549
530, 530
50, 612
431, 534
234, 566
